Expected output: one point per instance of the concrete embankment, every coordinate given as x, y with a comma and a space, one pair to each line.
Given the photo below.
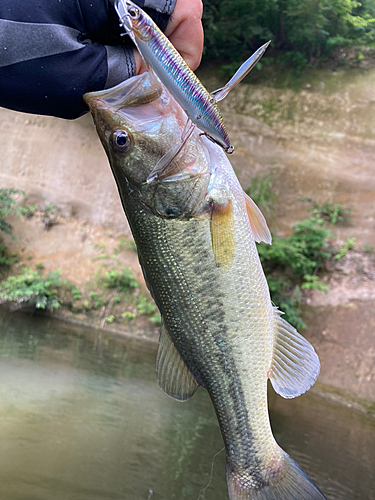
318, 142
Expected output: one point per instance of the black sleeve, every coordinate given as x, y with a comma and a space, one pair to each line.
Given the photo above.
54, 51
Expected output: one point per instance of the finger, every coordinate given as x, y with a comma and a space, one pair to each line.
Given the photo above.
140, 65
185, 30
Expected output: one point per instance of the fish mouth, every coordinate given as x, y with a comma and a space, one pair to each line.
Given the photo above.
135, 91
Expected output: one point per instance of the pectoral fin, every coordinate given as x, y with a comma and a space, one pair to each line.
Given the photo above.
295, 365
222, 233
172, 374
257, 221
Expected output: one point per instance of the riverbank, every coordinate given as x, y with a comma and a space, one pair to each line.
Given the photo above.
316, 141
340, 324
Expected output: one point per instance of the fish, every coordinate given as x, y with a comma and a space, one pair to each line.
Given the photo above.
158, 52
195, 231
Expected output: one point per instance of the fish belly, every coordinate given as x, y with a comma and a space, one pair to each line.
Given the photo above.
220, 322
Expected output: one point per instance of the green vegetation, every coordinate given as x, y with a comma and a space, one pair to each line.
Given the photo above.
312, 282
128, 315
32, 289
348, 245
149, 309
303, 32
120, 279
125, 244
291, 264
95, 301
261, 192
367, 248
9, 206
114, 286
332, 212
50, 215
7, 259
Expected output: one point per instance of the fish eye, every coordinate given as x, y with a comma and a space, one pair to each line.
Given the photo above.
121, 141
134, 13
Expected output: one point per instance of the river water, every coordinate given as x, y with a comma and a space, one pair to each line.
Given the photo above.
82, 417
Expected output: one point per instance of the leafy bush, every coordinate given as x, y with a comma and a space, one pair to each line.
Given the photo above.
96, 301
332, 212
348, 245
50, 215
303, 252
120, 279
148, 308
144, 306
290, 264
9, 206
30, 288
128, 315
314, 283
7, 259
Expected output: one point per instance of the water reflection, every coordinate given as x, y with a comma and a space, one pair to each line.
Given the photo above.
82, 419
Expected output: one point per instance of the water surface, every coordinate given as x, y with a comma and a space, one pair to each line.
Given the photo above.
81, 417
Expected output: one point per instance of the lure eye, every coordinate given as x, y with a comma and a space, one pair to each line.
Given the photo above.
121, 141
133, 13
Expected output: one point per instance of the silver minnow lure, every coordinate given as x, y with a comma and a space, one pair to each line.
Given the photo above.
200, 106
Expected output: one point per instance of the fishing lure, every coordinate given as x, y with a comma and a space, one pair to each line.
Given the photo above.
158, 52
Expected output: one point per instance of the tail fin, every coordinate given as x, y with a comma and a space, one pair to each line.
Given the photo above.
290, 482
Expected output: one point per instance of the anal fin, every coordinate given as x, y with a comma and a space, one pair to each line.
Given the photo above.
172, 374
295, 365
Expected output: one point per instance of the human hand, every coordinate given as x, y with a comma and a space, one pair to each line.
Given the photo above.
55, 52
185, 32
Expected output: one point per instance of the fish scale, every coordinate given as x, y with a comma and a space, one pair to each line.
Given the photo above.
195, 233
167, 263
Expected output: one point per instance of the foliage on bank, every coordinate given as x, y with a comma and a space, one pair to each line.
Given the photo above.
295, 263
291, 265
302, 32
113, 290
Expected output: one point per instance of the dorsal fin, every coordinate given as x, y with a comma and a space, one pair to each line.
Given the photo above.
173, 376
222, 233
257, 221
295, 365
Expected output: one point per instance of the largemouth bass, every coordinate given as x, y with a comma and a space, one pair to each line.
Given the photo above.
195, 231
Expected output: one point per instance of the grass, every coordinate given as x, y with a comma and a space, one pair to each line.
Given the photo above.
291, 264
120, 279
329, 211
261, 192
348, 245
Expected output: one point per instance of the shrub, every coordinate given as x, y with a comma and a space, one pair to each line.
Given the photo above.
332, 212
8, 206
290, 264
303, 252
119, 279
30, 288
348, 245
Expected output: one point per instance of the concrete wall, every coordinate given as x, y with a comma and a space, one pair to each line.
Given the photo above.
61, 161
